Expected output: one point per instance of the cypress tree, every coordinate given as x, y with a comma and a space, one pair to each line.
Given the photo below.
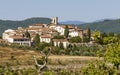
89, 34
66, 32
37, 40
27, 34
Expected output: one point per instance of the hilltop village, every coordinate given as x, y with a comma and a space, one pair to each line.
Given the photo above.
46, 32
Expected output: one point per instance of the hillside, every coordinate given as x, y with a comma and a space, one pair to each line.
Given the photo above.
104, 26
8, 24
72, 22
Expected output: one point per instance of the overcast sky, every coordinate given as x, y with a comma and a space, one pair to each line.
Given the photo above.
80, 10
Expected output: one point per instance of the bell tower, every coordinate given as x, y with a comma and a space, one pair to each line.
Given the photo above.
55, 20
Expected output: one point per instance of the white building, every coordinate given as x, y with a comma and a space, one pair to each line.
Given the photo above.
7, 33
11, 37
57, 42
73, 33
60, 30
20, 40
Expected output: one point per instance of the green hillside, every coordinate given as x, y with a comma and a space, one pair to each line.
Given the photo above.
104, 26
7, 24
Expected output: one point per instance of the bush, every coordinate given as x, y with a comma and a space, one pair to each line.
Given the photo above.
75, 39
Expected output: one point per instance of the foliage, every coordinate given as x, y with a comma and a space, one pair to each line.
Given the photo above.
86, 39
99, 68
76, 39
27, 34
81, 50
42, 45
58, 37
48, 73
21, 47
104, 35
110, 39
97, 37
61, 45
89, 34
111, 34
66, 32
37, 40
29, 71
113, 54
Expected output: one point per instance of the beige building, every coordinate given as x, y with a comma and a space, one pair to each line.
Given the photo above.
45, 38
20, 40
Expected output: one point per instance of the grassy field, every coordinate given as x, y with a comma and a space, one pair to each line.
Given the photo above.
25, 58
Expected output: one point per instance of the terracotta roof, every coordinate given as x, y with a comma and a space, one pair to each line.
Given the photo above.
46, 36
45, 29
18, 37
32, 28
69, 26
37, 25
2, 40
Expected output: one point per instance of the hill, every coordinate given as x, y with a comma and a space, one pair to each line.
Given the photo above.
104, 26
72, 22
8, 24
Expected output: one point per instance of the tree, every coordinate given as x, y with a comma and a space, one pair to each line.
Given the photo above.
98, 68
89, 34
27, 34
97, 36
58, 37
45, 53
66, 32
113, 54
111, 34
109, 39
76, 39
61, 45
37, 40
104, 35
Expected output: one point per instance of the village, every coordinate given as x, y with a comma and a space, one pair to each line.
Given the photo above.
46, 32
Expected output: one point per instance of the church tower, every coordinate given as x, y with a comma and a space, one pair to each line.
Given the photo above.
55, 20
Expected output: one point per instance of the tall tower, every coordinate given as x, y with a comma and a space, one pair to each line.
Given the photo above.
55, 20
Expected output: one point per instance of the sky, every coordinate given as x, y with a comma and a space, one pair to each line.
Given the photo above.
65, 10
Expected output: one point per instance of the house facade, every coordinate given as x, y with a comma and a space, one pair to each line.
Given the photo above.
45, 38
57, 42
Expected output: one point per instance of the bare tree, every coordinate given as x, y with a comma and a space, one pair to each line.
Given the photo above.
45, 53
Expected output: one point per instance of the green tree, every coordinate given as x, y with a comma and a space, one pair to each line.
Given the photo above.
66, 32
89, 34
104, 35
97, 36
37, 40
109, 39
76, 39
58, 37
61, 45
27, 34
98, 68
111, 34
113, 54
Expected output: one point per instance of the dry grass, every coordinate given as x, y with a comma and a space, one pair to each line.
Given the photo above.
24, 57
